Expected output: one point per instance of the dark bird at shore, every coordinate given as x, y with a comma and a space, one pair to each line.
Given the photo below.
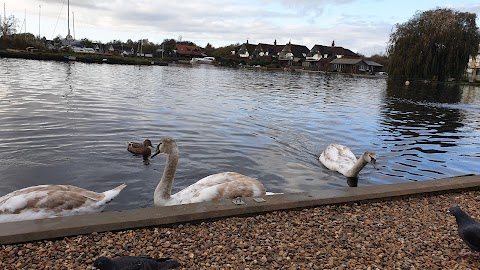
135, 263
468, 229
143, 149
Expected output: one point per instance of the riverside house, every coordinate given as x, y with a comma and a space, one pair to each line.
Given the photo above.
246, 50
293, 54
267, 51
473, 67
320, 57
189, 51
349, 65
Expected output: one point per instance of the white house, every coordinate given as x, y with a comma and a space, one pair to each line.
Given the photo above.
473, 68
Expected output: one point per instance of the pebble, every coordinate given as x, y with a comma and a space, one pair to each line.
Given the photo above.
407, 233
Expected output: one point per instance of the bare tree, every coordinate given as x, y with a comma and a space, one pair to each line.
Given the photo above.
9, 26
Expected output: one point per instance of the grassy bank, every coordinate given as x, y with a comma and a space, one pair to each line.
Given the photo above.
82, 57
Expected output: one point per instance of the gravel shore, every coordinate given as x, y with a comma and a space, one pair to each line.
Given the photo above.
408, 233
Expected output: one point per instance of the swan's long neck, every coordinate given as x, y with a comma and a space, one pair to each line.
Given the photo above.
357, 167
164, 187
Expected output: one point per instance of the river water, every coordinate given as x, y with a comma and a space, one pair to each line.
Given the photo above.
68, 123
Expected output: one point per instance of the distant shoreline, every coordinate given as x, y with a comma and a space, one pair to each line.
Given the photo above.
82, 57
120, 60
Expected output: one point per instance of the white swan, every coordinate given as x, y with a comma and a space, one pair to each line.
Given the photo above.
214, 187
47, 201
340, 158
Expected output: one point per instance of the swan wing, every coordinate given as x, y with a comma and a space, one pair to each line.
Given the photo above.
48, 201
227, 185
338, 158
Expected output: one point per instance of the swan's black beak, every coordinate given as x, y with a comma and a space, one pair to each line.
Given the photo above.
373, 162
156, 152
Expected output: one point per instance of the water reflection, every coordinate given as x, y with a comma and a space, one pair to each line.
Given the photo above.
68, 123
425, 124
426, 92
470, 94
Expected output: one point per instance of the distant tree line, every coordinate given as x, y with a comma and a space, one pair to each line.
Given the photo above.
433, 45
9, 38
166, 49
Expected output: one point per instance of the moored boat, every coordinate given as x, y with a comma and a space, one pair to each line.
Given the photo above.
203, 60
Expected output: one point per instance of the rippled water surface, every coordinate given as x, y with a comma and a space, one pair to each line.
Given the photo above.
68, 123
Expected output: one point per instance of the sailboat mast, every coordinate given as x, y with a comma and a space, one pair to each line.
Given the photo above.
39, 11
73, 21
68, 17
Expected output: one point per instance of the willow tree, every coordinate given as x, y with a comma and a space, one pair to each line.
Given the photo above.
433, 45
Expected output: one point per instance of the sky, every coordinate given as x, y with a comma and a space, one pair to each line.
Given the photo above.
361, 26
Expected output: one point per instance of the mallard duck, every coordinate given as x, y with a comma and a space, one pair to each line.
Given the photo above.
340, 158
47, 201
144, 149
214, 187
